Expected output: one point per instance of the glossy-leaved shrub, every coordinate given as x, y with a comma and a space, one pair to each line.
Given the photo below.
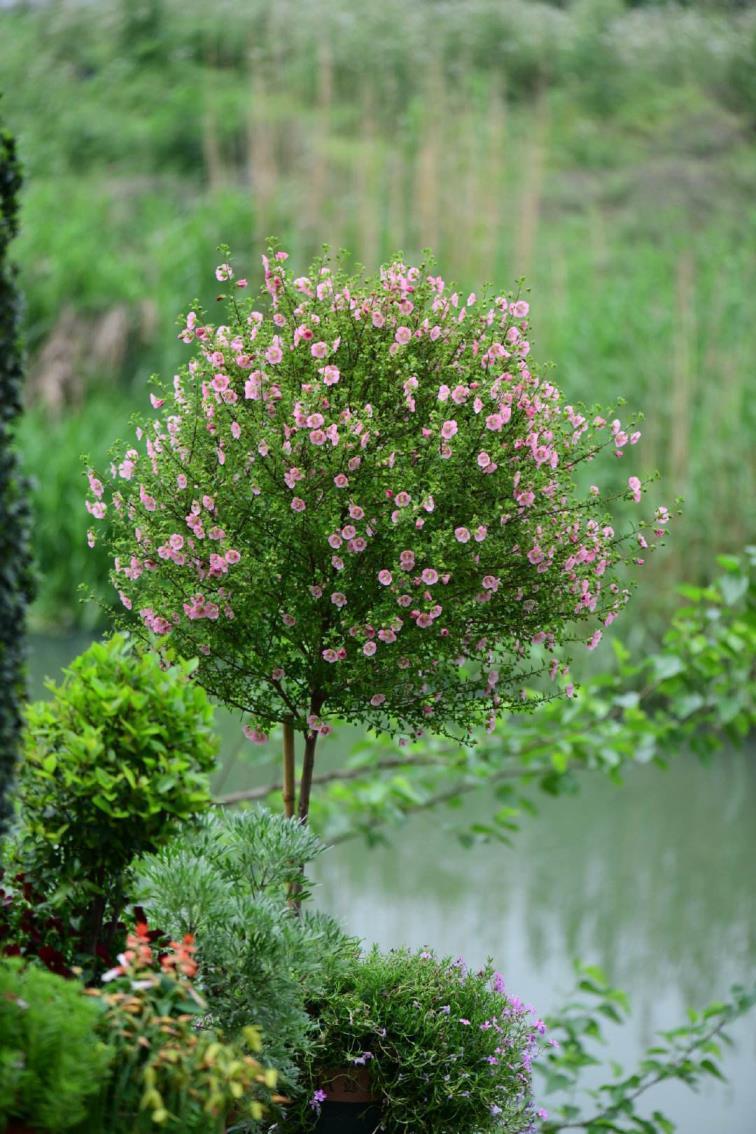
113, 764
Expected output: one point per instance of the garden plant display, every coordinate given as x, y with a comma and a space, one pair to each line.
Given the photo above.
364, 503
446, 1049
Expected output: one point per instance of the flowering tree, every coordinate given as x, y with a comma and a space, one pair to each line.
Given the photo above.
361, 501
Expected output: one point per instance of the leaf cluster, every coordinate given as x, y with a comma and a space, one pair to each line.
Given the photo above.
690, 1054
171, 1071
51, 1059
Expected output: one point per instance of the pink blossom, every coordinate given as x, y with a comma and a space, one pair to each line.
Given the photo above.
385, 577
519, 309
594, 640
462, 535
369, 649
331, 375
232, 556
377, 700
634, 485
377, 319
338, 599
341, 481
448, 429
298, 504
490, 583
255, 735
319, 350
224, 272
403, 335
407, 560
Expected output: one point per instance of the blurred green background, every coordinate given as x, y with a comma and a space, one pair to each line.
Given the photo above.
605, 150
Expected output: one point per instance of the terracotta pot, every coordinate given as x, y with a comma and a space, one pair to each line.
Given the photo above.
350, 1106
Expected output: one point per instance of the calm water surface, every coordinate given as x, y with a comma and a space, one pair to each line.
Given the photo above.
653, 881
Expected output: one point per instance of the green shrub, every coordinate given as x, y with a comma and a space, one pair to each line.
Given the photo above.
228, 885
170, 1073
15, 578
51, 1062
447, 1051
113, 765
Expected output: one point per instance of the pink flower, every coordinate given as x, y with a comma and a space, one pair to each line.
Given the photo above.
448, 429
519, 309
338, 599
341, 481
377, 319
494, 422
484, 460
298, 504
274, 354
490, 583
429, 576
330, 655
377, 699
402, 499
407, 560
403, 335
462, 535
331, 375
232, 556
385, 577
594, 640
224, 272
635, 487
369, 649
319, 350
156, 403
255, 735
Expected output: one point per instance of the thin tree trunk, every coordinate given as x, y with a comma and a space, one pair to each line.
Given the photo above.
305, 784
289, 790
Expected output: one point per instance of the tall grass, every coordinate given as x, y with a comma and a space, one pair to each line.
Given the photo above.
603, 152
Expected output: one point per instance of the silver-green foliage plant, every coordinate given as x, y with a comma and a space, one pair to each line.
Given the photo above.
229, 884
52, 1060
365, 501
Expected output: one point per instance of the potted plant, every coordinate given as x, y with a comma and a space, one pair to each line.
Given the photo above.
171, 1069
438, 1048
360, 501
51, 1060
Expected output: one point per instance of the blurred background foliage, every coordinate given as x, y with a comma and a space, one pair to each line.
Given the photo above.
602, 149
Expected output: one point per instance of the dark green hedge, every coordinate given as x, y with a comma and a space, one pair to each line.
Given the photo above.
15, 566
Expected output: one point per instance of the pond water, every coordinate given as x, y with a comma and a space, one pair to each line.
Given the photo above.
654, 881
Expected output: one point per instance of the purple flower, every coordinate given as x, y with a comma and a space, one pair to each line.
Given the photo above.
319, 1097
